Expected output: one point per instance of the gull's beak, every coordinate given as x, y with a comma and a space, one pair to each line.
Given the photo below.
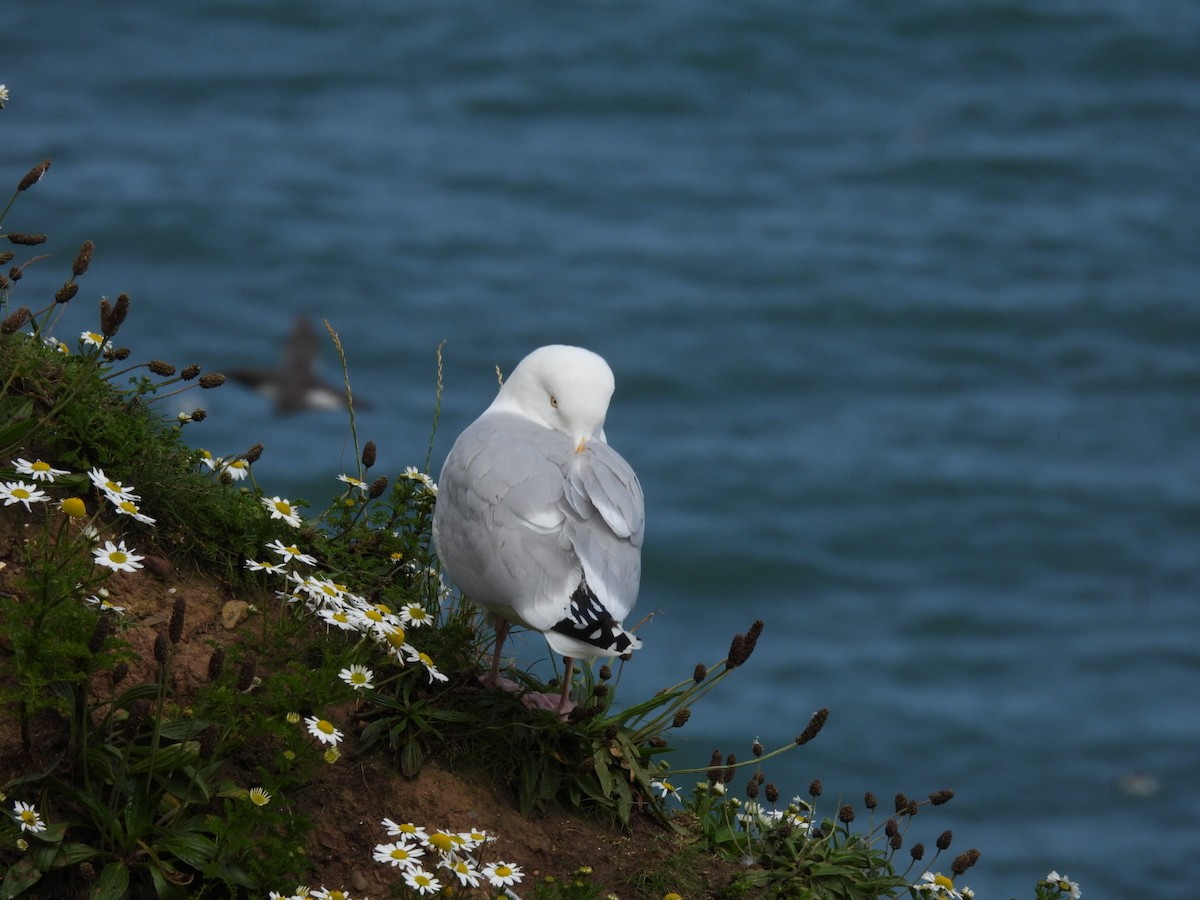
582, 445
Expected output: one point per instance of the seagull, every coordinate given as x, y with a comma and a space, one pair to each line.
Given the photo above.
295, 386
539, 521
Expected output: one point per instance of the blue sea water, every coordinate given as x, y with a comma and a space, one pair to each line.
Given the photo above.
902, 301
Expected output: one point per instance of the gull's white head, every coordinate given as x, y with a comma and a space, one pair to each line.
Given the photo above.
561, 387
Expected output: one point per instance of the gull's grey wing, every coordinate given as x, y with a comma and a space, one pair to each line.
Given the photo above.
609, 520
498, 522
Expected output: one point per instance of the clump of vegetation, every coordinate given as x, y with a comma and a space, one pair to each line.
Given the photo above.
133, 781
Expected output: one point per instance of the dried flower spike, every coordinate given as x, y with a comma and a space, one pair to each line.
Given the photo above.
15, 321
846, 814
937, 798
66, 293
944, 839
737, 651
368, 454
212, 380
246, 673
815, 724
961, 863
901, 803
814, 789
190, 372
216, 664
699, 673
25, 240
869, 800
34, 175
160, 368
378, 486
178, 612
714, 767
917, 851
83, 259
160, 649
681, 718
254, 453
771, 791
100, 634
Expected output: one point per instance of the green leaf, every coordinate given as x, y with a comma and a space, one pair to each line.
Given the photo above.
411, 758
113, 883
193, 848
168, 758
21, 876
73, 853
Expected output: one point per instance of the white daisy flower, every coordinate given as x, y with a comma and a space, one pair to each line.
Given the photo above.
502, 874
421, 881
93, 339
339, 618
114, 490
38, 470
129, 508
104, 604
20, 492
258, 796
119, 558
1064, 884
28, 817
323, 730
415, 615
358, 677
290, 552
354, 482
408, 829
430, 669
467, 874
237, 469
273, 568
282, 509
665, 788
402, 854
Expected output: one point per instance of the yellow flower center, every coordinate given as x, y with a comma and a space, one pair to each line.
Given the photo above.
128, 507
28, 816
442, 841
74, 507
395, 637
325, 725
283, 507
21, 494
425, 658
118, 557
399, 853
942, 881
40, 466
503, 871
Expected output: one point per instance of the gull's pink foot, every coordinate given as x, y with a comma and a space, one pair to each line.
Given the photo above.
549, 702
499, 682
